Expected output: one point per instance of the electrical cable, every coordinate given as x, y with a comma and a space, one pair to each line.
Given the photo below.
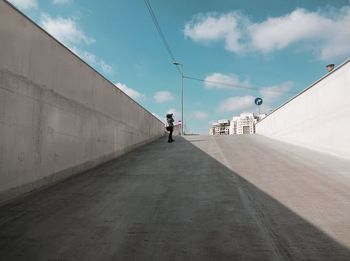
172, 57
235, 85
160, 32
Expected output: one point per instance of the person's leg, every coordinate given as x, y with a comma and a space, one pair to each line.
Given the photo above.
170, 135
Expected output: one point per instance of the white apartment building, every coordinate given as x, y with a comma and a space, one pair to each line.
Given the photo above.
243, 124
222, 127
212, 130
233, 125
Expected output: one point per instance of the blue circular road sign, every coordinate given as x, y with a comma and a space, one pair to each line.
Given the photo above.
258, 101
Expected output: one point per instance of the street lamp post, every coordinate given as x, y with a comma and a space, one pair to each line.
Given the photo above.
182, 95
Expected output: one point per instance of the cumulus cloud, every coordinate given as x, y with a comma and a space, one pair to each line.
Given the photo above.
59, 2
24, 4
199, 115
234, 104
65, 30
329, 36
300, 25
274, 92
269, 94
327, 32
87, 56
224, 81
92, 59
68, 32
215, 27
129, 91
106, 68
163, 96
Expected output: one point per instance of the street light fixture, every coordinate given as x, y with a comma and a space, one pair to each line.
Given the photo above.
182, 95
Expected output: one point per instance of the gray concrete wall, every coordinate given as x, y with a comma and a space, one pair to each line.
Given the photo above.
318, 118
58, 116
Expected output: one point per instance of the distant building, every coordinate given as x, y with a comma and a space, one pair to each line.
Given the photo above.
233, 125
243, 124
259, 117
212, 130
221, 127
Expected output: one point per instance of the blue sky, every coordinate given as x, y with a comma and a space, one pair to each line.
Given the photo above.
270, 49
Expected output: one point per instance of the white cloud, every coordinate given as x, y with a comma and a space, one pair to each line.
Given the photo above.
234, 104
68, 32
95, 61
106, 68
272, 93
327, 32
58, 2
269, 94
91, 59
224, 81
65, 30
24, 4
301, 25
200, 115
129, 91
88, 57
163, 96
328, 36
214, 27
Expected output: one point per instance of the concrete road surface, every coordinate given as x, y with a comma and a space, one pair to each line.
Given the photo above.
199, 198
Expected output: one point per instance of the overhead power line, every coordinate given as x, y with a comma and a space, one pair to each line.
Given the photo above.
172, 57
160, 32
235, 85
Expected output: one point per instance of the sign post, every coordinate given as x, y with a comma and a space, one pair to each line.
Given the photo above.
258, 101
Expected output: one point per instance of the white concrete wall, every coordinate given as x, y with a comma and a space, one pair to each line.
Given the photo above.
318, 118
58, 116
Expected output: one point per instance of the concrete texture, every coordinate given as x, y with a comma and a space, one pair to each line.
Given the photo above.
318, 118
203, 198
58, 116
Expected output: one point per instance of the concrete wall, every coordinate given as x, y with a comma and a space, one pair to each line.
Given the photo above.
318, 118
58, 116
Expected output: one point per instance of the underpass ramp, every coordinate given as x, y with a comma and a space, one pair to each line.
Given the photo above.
200, 198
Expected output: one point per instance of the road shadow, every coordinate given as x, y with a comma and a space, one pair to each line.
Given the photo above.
160, 202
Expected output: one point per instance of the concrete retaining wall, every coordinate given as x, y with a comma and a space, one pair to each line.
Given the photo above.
318, 118
58, 116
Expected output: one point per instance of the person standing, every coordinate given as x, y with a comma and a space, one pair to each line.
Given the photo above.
170, 127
